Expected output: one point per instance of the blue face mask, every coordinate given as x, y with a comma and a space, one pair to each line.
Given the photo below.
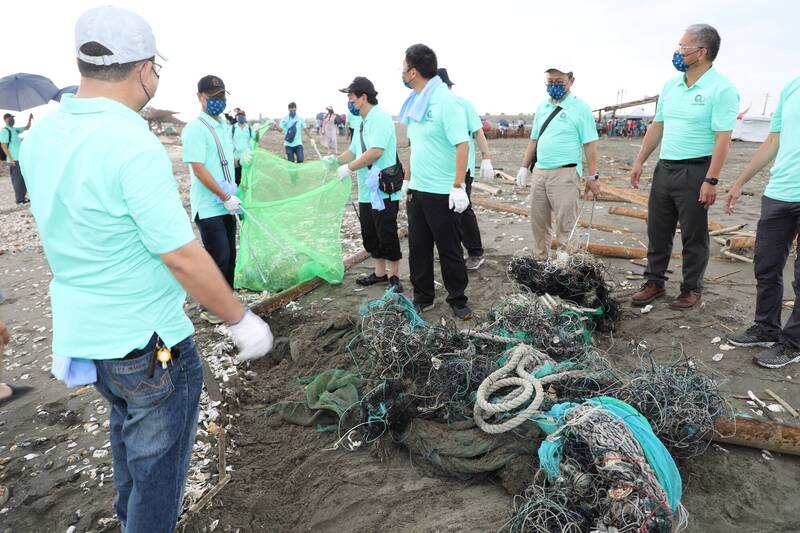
241, 119
292, 113
406, 83
351, 106
556, 91
678, 62
215, 106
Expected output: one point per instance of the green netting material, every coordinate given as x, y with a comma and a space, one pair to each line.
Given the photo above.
291, 230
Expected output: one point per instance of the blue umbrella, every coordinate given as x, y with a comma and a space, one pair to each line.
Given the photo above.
21, 91
70, 89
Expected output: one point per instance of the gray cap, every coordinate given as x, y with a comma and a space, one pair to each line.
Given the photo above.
126, 34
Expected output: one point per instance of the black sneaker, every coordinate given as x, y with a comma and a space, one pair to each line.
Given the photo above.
463, 312
474, 262
421, 308
755, 335
394, 284
778, 356
372, 279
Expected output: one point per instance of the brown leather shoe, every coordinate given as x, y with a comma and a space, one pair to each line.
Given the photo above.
686, 300
649, 292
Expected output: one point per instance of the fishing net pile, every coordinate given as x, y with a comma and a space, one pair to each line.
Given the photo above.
291, 229
577, 278
527, 389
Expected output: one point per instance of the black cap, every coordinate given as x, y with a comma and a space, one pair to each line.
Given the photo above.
210, 85
7, 115
442, 73
360, 84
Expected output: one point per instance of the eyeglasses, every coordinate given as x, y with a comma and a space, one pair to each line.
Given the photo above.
682, 47
561, 83
156, 69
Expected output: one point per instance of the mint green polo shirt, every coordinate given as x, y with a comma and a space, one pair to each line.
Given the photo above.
692, 115
286, 123
784, 179
563, 140
353, 121
241, 139
106, 205
434, 141
379, 132
10, 136
199, 147
473, 125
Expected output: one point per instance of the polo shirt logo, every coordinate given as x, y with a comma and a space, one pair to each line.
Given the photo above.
429, 115
699, 100
563, 115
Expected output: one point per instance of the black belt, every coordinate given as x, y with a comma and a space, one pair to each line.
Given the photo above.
149, 348
692, 161
569, 165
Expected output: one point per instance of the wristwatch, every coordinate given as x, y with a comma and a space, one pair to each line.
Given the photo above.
711, 181
593, 178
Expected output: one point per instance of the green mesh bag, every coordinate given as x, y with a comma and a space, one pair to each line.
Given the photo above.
291, 230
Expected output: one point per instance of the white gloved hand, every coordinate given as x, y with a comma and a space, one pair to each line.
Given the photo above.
330, 159
487, 171
247, 158
343, 172
232, 204
522, 175
459, 201
252, 337
404, 191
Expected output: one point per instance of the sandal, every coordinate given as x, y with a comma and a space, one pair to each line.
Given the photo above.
16, 392
372, 279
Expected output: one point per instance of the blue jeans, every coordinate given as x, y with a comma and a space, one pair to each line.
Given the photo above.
153, 427
294, 153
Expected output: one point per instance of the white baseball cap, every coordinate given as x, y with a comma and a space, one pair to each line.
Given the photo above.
126, 34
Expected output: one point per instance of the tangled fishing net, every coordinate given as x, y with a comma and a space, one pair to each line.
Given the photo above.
291, 230
602, 469
577, 278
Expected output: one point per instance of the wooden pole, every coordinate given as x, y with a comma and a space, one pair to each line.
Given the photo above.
741, 243
628, 212
273, 303
485, 187
516, 210
760, 434
642, 214
633, 196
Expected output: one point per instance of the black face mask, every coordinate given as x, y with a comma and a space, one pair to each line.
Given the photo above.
146, 92
10, 122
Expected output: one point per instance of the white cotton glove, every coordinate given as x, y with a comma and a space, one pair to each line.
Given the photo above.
343, 172
522, 175
459, 201
487, 172
330, 159
247, 158
404, 191
252, 337
232, 204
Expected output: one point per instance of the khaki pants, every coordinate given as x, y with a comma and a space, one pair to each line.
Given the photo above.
554, 195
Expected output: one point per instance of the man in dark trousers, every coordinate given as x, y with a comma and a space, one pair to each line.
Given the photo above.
437, 130
208, 152
776, 232
695, 116
9, 144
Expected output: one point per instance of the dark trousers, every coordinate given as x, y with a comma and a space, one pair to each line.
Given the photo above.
219, 239
674, 198
238, 174
468, 225
379, 230
777, 229
295, 153
18, 183
431, 222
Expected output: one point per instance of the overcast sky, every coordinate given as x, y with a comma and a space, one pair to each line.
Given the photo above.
270, 53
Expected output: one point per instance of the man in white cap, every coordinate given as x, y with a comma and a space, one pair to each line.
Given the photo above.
563, 126
122, 251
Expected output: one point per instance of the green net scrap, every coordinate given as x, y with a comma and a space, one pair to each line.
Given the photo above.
291, 229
